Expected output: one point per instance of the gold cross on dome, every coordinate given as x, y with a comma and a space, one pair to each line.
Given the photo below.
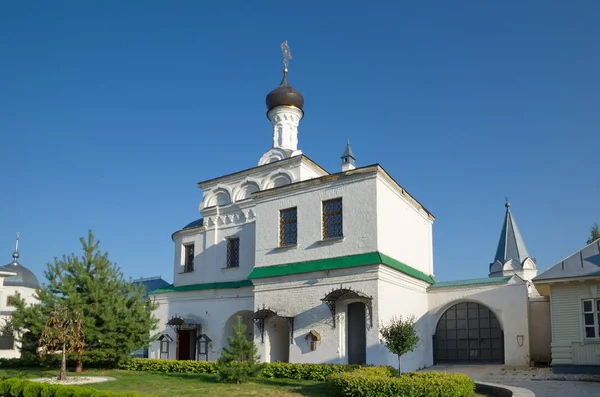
287, 55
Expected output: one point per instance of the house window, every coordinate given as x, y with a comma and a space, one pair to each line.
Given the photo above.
10, 300
332, 218
288, 227
189, 258
591, 318
233, 252
7, 342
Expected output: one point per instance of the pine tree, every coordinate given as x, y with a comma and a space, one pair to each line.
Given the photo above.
594, 234
239, 360
116, 317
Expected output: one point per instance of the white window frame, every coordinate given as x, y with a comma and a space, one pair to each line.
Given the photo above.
596, 317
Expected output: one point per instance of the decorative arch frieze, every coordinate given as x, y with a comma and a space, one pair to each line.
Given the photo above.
245, 189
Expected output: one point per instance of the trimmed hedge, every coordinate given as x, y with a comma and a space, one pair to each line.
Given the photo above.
373, 382
14, 387
316, 372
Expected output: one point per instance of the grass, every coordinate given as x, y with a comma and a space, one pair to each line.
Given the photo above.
188, 385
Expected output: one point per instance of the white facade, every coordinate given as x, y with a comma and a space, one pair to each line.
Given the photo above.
316, 262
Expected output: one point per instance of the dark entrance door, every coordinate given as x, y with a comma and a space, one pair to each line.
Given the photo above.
468, 332
357, 333
185, 345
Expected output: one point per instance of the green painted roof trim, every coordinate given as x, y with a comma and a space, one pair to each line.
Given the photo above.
473, 281
202, 287
342, 262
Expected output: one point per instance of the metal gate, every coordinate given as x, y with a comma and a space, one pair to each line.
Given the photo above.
468, 332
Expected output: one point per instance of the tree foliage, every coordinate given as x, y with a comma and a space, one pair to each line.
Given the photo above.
117, 319
63, 332
594, 234
400, 336
239, 360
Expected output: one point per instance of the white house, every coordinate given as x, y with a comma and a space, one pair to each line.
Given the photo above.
573, 286
14, 279
315, 262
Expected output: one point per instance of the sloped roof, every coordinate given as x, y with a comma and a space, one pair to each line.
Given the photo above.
348, 152
152, 283
583, 263
511, 244
471, 282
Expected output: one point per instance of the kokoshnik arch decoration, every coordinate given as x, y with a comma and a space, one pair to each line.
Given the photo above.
345, 294
262, 315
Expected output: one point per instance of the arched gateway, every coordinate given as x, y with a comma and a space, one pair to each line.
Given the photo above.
468, 332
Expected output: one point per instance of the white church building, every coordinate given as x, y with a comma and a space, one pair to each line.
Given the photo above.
315, 262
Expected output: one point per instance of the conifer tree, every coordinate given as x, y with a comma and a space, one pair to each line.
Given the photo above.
239, 360
116, 317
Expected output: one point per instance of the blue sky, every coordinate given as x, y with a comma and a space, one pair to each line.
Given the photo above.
110, 112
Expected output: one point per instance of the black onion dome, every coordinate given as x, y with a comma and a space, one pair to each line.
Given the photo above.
23, 278
284, 95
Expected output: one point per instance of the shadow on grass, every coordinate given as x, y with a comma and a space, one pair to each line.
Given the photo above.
306, 388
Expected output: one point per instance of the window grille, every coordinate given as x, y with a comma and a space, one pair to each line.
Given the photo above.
189, 258
233, 252
288, 227
332, 218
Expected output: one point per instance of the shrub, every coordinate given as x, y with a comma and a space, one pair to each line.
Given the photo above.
318, 372
170, 366
23, 388
370, 383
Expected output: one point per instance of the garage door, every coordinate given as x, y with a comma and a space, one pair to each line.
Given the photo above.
468, 332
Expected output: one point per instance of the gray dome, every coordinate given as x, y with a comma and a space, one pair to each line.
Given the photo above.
284, 95
23, 278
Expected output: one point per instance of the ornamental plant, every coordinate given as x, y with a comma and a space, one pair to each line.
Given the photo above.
400, 337
238, 361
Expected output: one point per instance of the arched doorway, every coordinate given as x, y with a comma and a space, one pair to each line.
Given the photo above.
231, 321
278, 340
468, 332
357, 333
279, 332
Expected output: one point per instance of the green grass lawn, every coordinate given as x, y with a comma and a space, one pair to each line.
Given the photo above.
185, 385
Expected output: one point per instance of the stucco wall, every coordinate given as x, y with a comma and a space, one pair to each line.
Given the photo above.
212, 309
26, 293
300, 296
539, 329
568, 343
359, 222
403, 232
401, 295
210, 252
509, 303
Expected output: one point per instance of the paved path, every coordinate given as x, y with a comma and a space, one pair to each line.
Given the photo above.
539, 380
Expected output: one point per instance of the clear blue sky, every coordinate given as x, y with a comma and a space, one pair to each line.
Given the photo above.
110, 112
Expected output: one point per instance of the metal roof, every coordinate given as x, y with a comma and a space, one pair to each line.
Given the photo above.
583, 263
511, 244
471, 282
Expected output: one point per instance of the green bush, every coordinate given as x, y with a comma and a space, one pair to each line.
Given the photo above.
369, 382
23, 388
316, 372
170, 366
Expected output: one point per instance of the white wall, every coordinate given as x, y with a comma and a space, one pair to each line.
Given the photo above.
403, 232
211, 308
5, 312
300, 296
210, 261
509, 303
568, 344
359, 222
402, 295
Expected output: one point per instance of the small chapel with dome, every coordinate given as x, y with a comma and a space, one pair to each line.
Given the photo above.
14, 279
315, 261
